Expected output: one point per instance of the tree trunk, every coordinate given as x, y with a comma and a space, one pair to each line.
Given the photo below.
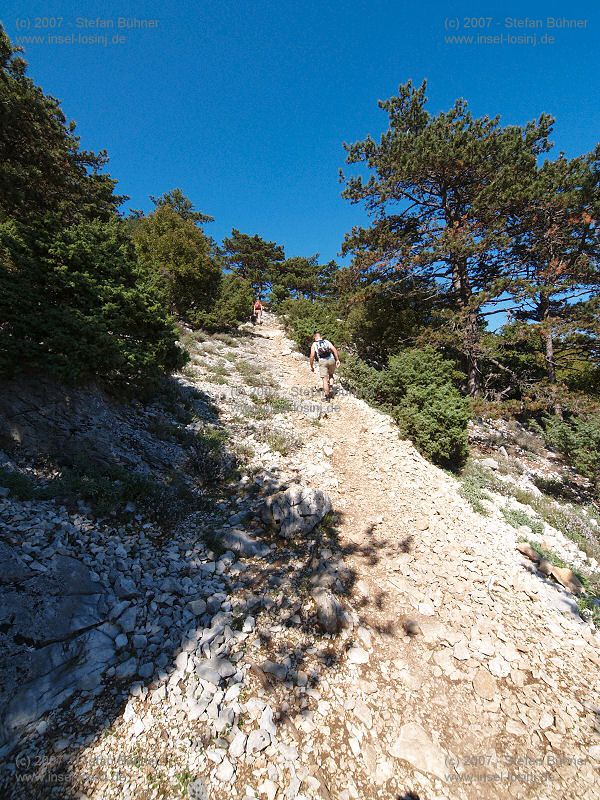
547, 337
548, 342
549, 355
474, 375
463, 292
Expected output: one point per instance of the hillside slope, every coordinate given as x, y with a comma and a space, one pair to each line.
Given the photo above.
456, 672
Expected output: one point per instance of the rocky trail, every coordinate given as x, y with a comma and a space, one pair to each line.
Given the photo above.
403, 649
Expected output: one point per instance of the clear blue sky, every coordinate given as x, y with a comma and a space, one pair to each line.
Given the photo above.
245, 105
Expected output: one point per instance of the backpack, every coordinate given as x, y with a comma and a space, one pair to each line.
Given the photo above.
323, 349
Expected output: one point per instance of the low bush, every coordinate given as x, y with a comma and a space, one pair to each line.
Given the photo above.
232, 306
417, 388
303, 317
516, 518
578, 441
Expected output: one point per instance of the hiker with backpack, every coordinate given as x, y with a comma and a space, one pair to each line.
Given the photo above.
325, 353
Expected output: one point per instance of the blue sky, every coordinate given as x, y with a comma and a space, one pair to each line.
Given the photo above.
245, 105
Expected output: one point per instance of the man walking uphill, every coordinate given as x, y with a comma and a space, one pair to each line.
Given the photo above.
328, 359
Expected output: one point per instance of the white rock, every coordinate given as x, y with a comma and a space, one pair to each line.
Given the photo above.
238, 745
499, 667
266, 721
267, 789
415, 746
356, 655
225, 771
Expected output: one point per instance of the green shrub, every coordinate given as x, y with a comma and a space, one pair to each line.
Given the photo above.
418, 390
361, 379
430, 410
436, 421
232, 306
516, 518
178, 260
303, 317
73, 305
578, 441
20, 485
475, 486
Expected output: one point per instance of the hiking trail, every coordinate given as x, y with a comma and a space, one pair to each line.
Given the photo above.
459, 673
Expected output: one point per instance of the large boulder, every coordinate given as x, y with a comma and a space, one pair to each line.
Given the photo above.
296, 511
331, 614
51, 642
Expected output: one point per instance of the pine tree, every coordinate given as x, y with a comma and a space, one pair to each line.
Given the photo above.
179, 258
253, 258
43, 171
556, 269
72, 302
440, 194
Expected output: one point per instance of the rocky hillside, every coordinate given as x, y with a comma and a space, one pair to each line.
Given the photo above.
251, 594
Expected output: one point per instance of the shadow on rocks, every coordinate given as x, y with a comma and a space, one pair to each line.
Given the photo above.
106, 620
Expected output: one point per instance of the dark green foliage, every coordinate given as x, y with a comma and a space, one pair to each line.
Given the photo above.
362, 379
418, 389
43, 172
554, 255
441, 192
253, 258
304, 317
578, 441
73, 306
232, 306
383, 319
301, 277
181, 205
178, 259
72, 302
436, 418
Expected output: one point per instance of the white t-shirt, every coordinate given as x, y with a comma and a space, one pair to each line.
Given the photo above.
323, 343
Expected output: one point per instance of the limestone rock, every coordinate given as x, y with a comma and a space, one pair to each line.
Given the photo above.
484, 684
296, 511
330, 612
499, 667
50, 647
241, 541
567, 578
414, 745
356, 655
528, 551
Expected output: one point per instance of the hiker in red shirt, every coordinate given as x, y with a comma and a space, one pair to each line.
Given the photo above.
257, 311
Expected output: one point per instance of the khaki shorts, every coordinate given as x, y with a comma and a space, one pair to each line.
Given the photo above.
327, 367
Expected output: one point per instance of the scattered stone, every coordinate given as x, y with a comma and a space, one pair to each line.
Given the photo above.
146, 670
528, 551
225, 771
461, 652
257, 741
197, 607
484, 685
356, 655
278, 670
414, 745
567, 578
515, 727
296, 511
499, 667
330, 611
546, 720
238, 745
